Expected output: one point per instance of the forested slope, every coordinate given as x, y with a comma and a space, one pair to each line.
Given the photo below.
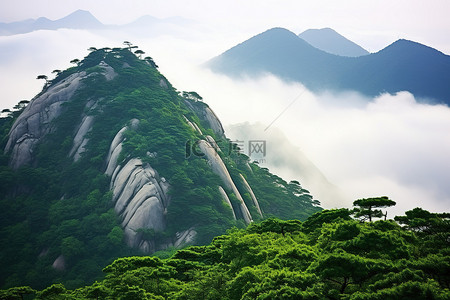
329, 256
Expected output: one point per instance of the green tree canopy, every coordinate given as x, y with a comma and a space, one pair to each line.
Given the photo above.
367, 208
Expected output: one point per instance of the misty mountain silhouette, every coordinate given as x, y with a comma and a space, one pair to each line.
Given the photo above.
328, 40
80, 19
402, 66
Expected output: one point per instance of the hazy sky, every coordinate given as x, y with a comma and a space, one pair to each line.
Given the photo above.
372, 24
390, 145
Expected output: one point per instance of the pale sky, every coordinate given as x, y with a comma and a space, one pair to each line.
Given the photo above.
372, 24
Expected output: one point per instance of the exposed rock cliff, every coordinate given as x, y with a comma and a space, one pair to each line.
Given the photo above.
36, 120
250, 191
206, 114
141, 200
213, 121
220, 169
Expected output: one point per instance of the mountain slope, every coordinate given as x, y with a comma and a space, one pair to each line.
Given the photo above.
328, 40
109, 160
280, 52
404, 65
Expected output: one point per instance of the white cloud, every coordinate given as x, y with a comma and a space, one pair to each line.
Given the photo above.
390, 145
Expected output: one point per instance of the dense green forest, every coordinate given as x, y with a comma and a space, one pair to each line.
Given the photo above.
58, 208
329, 256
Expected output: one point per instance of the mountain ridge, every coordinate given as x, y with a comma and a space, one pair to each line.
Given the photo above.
79, 19
82, 19
401, 66
328, 40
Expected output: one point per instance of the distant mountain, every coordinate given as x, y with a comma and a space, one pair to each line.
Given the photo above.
79, 19
402, 66
328, 40
82, 19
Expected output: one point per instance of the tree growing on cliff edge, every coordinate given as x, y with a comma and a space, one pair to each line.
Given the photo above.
75, 61
139, 53
192, 96
150, 61
368, 208
45, 77
129, 45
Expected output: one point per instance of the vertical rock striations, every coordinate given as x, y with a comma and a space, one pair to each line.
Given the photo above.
139, 194
141, 201
220, 169
227, 200
249, 189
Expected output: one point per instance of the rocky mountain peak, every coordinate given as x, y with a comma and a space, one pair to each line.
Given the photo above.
117, 160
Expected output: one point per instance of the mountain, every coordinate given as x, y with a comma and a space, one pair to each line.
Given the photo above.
82, 19
79, 19
109, 160
328, 40
402, 66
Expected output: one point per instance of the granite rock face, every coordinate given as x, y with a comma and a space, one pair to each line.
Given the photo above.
139, 195
206, 114
218, 167
213, 121
36, 120
250, 191
80, 139
141, 200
